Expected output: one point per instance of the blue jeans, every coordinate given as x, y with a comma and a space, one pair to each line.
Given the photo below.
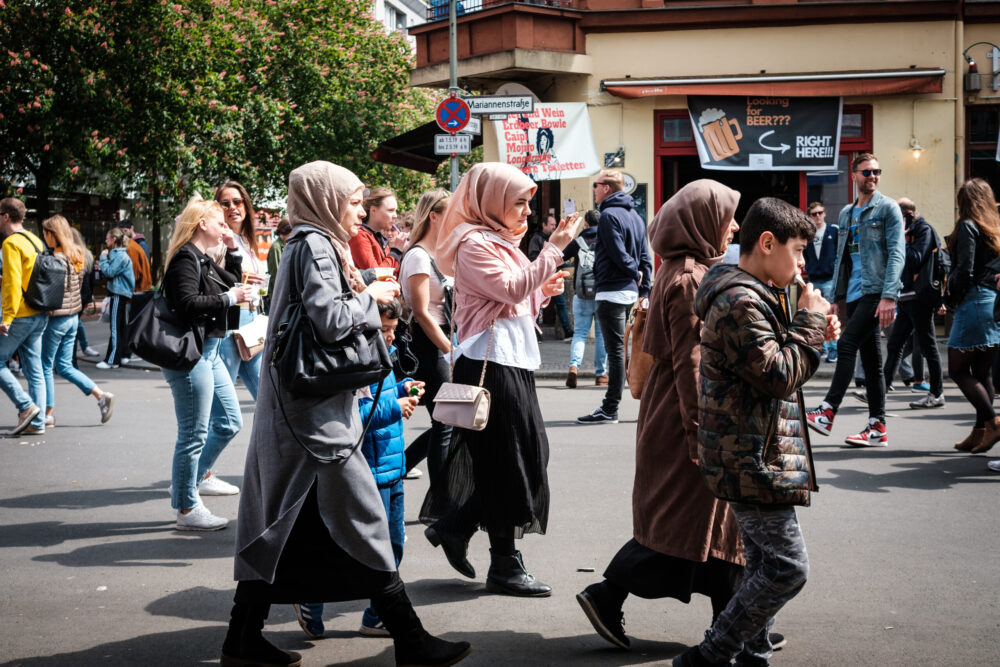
81, 334
825, 288
248, 371
583, 315
25, 336
392, 499
208, 417
776, 570
57, 354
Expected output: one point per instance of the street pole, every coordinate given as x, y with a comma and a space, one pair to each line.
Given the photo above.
453, 73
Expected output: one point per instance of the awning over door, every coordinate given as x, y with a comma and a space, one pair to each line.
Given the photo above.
415, 149
815, 84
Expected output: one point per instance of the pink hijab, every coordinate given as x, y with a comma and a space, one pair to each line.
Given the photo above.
479, 203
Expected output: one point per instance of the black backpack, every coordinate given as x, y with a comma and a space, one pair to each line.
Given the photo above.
47, 284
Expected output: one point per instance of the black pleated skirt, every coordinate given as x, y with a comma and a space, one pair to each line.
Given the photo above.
495, 479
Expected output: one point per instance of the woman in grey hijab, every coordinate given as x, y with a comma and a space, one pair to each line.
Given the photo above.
309, 530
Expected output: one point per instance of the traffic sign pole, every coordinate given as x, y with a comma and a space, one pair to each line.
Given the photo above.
453, 74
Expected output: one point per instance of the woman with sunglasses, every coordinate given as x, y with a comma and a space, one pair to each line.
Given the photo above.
428, 292
59, 338
239, 216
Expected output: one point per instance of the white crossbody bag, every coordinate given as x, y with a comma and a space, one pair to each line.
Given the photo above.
463, 405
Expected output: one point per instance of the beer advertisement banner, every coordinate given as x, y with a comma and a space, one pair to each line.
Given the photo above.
552, 142
766, 133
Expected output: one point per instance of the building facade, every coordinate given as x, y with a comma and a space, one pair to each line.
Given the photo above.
900, 69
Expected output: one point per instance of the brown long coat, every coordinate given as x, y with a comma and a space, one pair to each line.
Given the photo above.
673, 512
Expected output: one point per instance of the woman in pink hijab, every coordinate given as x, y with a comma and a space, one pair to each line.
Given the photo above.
495, 479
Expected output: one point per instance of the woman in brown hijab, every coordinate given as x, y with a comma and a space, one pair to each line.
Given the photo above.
309, 530
685, 539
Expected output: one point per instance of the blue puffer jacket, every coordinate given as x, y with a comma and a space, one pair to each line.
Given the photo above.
383, 446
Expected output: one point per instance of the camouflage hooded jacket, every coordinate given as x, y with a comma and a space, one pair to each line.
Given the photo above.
753, 360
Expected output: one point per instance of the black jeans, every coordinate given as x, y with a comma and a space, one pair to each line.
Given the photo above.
611, 317
433, 443
860, 334
916, 316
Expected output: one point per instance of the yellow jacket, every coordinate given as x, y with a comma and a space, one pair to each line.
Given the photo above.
18, 261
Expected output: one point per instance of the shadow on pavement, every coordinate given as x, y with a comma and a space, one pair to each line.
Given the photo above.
90, 498
51, 533
941, 472
173, 550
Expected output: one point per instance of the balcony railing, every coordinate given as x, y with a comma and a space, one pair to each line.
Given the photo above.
438, 9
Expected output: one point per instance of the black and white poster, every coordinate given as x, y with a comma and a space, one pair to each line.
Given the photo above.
757, 133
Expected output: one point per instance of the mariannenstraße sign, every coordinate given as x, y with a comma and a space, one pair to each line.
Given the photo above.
500, 104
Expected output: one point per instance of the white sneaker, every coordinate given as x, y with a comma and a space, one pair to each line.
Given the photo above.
106, 405
415, 473
213, 486
103, 365
200, 519
127, 360
90, 352
993, 465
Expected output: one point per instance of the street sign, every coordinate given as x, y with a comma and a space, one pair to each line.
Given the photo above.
452, 144
497, 116
497, 104
475, 126
452, 114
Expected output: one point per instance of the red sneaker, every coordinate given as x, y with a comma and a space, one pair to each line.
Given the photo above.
874, 435
820, 420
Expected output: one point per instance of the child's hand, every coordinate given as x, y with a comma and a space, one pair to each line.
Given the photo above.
411, 384
407, 406
832, 326
812, 299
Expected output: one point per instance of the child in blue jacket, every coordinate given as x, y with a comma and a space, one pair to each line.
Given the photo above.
383, 448
116, 266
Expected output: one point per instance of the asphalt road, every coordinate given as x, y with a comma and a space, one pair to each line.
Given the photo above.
903, 544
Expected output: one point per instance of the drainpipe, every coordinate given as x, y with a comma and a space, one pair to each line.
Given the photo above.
959, 105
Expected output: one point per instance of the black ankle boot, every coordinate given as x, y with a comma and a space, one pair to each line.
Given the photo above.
456, 549
413, 645
604, 614
508, 576
245, 645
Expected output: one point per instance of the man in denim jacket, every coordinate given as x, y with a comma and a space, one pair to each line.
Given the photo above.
867, 275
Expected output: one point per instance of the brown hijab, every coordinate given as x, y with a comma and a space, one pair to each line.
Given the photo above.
695, 222
487, 190
318, 193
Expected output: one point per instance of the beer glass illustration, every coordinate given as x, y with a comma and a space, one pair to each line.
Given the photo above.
719, 133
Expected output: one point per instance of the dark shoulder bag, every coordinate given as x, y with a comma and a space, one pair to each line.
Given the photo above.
160, 335
305, 366
47, 283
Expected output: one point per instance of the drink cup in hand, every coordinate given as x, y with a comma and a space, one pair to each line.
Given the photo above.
253, 279
383, 273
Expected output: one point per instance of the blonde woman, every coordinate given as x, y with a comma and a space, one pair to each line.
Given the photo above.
60, 332
205, 403
428, 292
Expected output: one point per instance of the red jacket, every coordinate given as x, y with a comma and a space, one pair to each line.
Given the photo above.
367, 253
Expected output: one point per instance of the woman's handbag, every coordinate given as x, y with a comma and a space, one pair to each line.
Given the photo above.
162, 337
250, 337
637, 363
463, 405
307, 366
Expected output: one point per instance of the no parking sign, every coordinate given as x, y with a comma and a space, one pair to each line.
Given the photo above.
452, 114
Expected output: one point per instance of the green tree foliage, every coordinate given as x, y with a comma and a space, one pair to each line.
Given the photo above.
161, 99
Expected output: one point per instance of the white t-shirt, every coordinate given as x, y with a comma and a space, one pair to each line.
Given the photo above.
417, 262
514, 344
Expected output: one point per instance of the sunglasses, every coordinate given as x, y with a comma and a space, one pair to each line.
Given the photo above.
599, 183
236, 203
816, 214
869, 172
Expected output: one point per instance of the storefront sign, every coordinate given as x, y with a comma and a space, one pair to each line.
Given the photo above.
756, 133
552, 142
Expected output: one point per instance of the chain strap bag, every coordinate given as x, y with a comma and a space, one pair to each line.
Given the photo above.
463, 405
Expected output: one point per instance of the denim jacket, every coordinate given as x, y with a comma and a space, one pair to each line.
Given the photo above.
117, 268
882, 245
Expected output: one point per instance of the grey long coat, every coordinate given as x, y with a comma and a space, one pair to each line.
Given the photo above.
279, 473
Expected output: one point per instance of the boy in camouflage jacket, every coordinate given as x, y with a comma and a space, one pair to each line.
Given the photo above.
754, 359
